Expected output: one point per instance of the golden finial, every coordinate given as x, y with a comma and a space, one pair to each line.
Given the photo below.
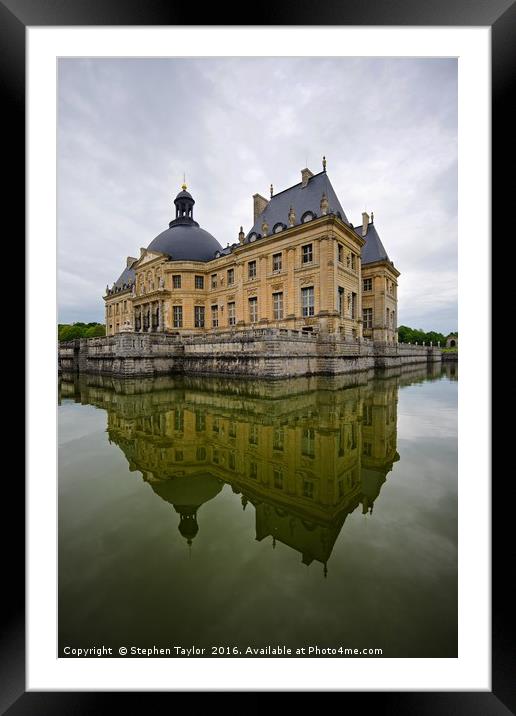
324, 164
183, 186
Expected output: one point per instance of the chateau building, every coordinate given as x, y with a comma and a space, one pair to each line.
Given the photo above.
303, 265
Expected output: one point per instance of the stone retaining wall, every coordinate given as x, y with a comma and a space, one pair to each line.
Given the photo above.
262, 353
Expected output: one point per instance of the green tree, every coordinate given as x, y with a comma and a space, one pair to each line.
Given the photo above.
67, 332
95, 330
418, 335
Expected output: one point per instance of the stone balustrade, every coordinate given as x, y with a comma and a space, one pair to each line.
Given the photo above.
257, 353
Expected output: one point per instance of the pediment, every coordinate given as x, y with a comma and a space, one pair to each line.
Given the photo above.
147, 256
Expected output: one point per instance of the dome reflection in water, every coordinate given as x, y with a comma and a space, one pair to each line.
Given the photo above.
247, 475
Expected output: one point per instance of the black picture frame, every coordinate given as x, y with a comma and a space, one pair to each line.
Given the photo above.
15, 16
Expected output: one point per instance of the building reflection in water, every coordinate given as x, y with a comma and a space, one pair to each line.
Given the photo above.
305, 453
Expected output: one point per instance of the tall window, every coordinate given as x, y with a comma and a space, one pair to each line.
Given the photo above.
276, 263
253, 434
200, 422
176, 281
199, 316
251, 269
340, 299
367, 415
340, 253
308, 442
178, 316
277, 305
278, 478
353, 305
231, 313
231, 276
308, 489
387, 317
307, 301
278, 439
307, 254
199, 282
367, 317
253, 310
214, 280
353, 262
393, 319
368, 284
214, 316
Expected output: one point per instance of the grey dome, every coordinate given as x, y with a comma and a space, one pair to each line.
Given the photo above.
186, 242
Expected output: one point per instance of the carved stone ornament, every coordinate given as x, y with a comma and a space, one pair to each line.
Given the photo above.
307, 279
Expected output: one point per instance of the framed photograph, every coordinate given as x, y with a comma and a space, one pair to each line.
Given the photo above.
261, 455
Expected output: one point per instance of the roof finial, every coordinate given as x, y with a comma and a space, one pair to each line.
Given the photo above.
372, 217
272, 191
184, 187
324, 164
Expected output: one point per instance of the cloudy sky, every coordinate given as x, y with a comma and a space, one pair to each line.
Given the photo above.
128, 129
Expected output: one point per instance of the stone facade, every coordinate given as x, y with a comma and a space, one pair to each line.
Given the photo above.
304, 273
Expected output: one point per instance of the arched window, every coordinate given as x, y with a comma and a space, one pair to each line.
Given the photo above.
253, 236
307, 216
278, 227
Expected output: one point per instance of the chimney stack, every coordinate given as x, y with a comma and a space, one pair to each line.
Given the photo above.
259, 205
365, 222
305, 176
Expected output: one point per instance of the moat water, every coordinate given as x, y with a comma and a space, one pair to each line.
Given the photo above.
234, 514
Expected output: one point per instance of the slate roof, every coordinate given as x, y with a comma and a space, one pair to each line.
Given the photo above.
302, 199
373, 250
127, 276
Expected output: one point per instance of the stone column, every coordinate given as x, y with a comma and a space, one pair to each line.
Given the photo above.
323, 268
263, 300
161, 325
239, 293
359, 298
291, 295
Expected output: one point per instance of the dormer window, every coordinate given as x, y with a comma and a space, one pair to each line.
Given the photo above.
307, 216
278, 227
252, 237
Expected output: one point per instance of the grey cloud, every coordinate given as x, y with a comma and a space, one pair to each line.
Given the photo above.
128, 128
